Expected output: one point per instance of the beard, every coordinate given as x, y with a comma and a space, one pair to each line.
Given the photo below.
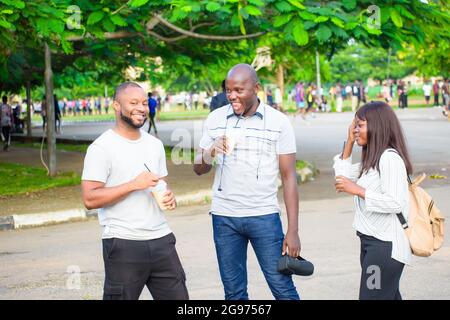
130, 122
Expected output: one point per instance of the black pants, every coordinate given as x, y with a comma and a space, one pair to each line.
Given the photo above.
152, 122
436, 99
130, 265
6, 134
380, 276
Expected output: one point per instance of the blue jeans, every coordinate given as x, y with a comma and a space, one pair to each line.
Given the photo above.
265, 233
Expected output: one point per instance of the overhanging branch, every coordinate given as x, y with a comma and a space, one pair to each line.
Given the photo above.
204, 36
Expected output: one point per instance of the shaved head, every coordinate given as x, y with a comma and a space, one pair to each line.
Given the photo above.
122, 87
243, 72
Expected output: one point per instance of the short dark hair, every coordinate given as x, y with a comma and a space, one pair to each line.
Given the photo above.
125, 85
5, 99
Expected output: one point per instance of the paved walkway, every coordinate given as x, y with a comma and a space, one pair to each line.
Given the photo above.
37, 263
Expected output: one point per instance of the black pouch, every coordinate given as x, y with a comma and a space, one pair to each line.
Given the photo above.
298, 266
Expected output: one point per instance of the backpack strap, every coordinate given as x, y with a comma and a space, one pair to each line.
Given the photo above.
402, 220
407, 175
400, 216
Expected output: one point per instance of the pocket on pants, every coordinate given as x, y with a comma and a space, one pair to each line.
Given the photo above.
109, 244
112, 291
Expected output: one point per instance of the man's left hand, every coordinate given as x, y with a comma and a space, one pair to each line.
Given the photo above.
169, 200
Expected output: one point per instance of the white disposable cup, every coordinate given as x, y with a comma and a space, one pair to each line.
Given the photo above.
232, 138
158, 193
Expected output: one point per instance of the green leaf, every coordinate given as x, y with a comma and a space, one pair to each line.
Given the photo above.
404, 12
252, 10
178, 14
118, 20
258, 3
283, 6
7, 11
6, 24
241, 12
56, 26
300, 35
108, 25
323, 33
339, 32
137, 3
337, 22
321, 19
213, 6
297, 4
396, 18
307, 15
95, 17
349, 4
137, 26
67, 46
281, 20
42, 26
309, 24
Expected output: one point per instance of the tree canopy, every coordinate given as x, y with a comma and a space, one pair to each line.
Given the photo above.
197, 39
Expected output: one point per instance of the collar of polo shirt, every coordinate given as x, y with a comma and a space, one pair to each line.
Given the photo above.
258, 112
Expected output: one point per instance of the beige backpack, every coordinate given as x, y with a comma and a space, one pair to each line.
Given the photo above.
425, 226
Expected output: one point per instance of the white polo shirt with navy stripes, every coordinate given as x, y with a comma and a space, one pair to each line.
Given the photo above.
248, 176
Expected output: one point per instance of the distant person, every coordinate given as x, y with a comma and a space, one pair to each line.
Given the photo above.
401, 94
278, 99
195, 98
356, 95
107, 103
386, 93
6, 122
17, 121
300, 98
44, 112
124, 177
57, 114
436, 93
269, 97
362, 95
446, 96
98, 105
152, 113
348, 91
427, 91
219, 100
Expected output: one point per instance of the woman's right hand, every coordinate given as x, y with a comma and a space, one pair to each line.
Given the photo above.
351, 132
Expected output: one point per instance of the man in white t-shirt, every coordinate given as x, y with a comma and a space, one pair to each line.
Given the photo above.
427, 91
123, 177
252, 143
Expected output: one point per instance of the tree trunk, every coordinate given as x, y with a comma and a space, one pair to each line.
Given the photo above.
280, 79
318, 97
28, 110
51, 137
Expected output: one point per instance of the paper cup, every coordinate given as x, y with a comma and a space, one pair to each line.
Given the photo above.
158, 193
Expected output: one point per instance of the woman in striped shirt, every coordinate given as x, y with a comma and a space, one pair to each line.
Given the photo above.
380, 188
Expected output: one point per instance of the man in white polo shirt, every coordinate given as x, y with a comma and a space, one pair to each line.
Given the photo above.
121, 169
251, 143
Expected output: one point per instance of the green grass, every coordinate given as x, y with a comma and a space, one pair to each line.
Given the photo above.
59, 146
83, 148
164, 116
20, 179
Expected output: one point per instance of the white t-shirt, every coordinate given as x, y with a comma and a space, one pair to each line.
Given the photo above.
248, 176
427, 90
115, 160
